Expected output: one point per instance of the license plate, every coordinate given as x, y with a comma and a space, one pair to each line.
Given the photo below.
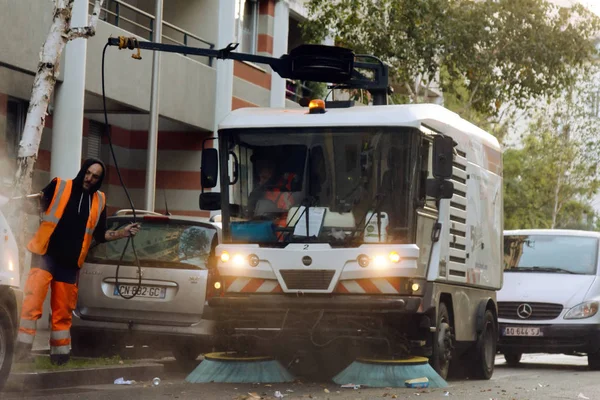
144, 291
522, 331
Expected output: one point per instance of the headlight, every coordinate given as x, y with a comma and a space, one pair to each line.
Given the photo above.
583, 310
363, 260
224, 256
394, 257
239, 260
380, 261
253, 260
11, 266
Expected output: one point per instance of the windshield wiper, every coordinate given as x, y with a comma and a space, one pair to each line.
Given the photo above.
377, 202
541, 269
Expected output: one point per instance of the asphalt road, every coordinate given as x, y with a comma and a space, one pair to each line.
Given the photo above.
538, 377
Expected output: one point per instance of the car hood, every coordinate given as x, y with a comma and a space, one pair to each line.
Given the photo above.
566, 289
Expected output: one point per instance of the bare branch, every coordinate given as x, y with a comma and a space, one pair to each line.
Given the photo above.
95, 14
84, 32
90, 30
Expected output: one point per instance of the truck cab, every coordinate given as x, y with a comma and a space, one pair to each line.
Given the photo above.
378, 227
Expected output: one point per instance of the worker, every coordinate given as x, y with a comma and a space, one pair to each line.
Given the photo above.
73, 213
278, 191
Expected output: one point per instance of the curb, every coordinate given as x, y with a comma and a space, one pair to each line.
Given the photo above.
30, 381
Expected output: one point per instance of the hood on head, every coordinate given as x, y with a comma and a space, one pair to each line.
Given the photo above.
81, 174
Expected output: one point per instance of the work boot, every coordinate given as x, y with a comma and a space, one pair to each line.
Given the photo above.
59, 359
22, 353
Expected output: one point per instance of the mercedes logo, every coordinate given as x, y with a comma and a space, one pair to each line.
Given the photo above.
524, 311
306, 260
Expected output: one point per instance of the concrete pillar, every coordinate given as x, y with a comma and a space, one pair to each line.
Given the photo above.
154, 111
67, 129
280, 44
224, 80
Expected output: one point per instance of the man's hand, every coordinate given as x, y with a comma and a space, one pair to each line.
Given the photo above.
132, 229
127, 231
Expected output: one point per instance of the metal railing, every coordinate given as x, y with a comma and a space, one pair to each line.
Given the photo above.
113, 13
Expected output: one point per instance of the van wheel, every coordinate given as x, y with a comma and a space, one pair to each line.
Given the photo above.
512, 359
594, 361
7, 344
485, 349
443, 343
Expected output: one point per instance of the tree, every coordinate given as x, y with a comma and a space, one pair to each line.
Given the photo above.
498, 50
43, 85
551, 179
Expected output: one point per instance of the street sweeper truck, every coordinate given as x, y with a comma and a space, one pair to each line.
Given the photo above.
379, 227
370, 230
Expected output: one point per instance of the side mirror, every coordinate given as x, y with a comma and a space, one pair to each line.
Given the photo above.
443, 156
210, 201
210, 168
440, 189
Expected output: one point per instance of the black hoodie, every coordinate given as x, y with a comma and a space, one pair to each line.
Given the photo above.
66, 240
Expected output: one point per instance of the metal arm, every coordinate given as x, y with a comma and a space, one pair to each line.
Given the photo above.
316, 63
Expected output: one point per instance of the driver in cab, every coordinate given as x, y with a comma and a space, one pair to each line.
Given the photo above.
278, 192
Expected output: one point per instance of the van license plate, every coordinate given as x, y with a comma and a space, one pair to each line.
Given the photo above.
522, 331
144, 291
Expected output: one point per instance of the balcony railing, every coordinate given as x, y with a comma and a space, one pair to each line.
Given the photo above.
128, 17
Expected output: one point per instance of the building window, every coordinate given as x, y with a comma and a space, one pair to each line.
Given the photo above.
15, 123
246, 28
94, 140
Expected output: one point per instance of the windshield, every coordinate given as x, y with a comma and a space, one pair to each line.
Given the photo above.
159, 245
354, 185
550, 253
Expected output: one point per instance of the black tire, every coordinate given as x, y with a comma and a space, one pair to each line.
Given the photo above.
443, 343
512, 358
594, 361
186, 356
485, 349
7, 344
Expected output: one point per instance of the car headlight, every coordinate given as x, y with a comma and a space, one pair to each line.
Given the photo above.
583, 310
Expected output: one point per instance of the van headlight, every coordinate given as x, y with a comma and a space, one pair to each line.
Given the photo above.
583, 310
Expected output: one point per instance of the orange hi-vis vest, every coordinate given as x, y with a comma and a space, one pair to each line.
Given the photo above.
39, 243
283, 200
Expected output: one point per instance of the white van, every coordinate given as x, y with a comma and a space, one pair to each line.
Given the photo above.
551, 294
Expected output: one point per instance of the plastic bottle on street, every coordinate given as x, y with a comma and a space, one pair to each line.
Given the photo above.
155, 381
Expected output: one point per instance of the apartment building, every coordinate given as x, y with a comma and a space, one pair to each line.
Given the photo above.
194, 92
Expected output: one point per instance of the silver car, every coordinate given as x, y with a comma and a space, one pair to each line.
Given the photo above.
166, 312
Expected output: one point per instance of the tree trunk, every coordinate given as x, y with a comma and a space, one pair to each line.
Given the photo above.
43, 87
555, 209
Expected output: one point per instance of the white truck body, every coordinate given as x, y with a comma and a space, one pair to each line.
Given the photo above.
462, 268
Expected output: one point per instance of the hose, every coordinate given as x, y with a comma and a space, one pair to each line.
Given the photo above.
130, 238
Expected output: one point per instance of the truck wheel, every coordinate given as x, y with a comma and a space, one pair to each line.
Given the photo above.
7, 343
512, 359
594, 361
485, 349
443, 343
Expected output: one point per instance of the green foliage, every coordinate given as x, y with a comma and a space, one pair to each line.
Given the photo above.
551, 179
496, 51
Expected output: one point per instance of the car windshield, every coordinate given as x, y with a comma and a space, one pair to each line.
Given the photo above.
550, 253
348, 178
158, 244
